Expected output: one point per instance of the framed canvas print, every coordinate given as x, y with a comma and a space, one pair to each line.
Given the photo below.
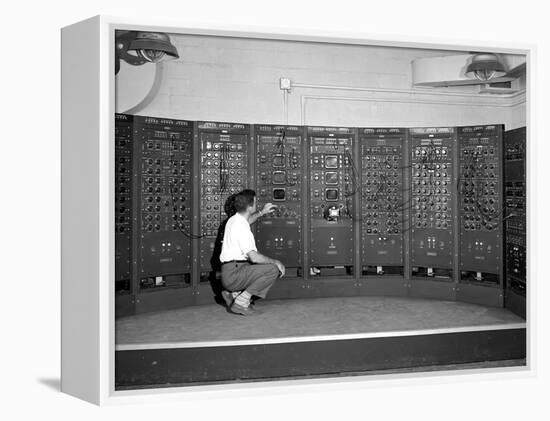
247, 209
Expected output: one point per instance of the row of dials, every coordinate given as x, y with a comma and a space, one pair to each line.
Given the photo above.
329, 161
478, 189
290, 178
165, 178
381, 192
154, 223
123, 187
167, 146
327, 177
431, 187
281, 160
223, 172
432, 153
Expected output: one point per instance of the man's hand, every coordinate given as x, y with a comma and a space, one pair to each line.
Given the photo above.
268, 207
281, 267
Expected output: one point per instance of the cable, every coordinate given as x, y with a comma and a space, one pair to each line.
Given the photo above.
179, 221
426, 165
280, 144
384, 195
349, 164
224, 171
472, 189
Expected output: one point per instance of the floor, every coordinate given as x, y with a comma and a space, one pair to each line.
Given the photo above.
299, 318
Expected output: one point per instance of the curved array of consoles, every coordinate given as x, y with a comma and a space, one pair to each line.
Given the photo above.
434, 191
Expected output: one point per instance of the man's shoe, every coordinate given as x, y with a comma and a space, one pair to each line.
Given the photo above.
238, 309
228, 298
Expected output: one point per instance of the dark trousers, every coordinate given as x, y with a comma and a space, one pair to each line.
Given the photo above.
254, 278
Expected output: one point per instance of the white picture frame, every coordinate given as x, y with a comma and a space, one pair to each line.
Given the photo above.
88, 98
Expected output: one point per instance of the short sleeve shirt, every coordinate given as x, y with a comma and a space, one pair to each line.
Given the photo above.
238, 239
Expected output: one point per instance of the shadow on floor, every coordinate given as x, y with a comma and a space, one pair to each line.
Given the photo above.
51, 382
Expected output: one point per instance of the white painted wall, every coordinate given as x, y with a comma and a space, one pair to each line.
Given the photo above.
517, 117
517, 114
231, 79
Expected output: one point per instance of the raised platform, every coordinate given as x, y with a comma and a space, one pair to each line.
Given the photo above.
305, 337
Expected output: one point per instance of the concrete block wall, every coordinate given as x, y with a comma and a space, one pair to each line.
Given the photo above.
237, 79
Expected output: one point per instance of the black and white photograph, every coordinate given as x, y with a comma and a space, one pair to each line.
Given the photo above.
311, 208
275, 211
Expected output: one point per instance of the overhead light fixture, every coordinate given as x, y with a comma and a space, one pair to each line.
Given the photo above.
137, 48
485, 66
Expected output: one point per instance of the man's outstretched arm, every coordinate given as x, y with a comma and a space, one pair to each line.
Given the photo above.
269, 207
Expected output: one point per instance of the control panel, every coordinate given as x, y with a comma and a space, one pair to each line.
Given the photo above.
279, 172
165, 197
515, 208
480, 203
333, 188
432, 200
123, 201
385, 204
382, 199
224, 171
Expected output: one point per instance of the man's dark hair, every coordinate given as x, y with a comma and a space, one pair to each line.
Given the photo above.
229, 206
244, 199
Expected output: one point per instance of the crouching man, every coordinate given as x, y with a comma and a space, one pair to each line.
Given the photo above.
245, 271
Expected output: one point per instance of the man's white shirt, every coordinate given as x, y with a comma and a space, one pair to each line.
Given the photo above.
238, 239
